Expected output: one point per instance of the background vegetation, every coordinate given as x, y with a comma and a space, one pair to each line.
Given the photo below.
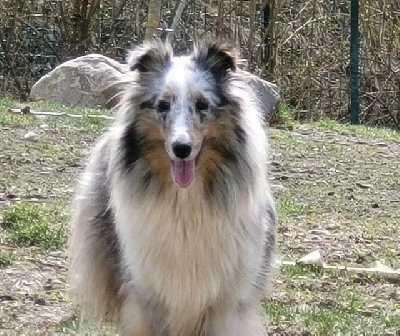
303, 46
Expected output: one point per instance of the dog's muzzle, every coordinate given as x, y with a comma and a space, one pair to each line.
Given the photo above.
183, 165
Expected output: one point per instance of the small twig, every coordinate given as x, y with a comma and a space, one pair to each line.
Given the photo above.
377, 99
27, 111
310, 20
389, 274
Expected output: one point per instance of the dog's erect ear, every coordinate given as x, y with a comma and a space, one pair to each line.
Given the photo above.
152, 56
218, 58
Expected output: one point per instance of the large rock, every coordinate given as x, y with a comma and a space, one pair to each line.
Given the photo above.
87, 81
90, 81
267, 94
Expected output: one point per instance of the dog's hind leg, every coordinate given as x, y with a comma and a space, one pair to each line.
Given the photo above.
94, 256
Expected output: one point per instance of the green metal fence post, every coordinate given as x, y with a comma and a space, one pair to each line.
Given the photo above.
354, 60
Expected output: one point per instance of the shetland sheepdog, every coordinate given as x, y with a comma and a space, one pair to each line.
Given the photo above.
173, 225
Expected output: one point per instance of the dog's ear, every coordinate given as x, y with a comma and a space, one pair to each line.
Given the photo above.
218, 58
152, 56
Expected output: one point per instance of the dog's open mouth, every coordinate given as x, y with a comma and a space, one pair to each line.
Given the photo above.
184, 172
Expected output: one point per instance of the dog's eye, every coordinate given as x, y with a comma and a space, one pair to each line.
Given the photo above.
201, 105
163, 106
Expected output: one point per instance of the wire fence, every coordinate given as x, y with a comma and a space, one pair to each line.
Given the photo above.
302, 46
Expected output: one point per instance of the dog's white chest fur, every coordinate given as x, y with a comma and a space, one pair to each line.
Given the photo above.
185, 251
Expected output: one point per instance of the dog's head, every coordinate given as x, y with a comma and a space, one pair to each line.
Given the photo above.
183, 102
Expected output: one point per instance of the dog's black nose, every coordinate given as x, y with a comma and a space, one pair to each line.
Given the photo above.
181, 150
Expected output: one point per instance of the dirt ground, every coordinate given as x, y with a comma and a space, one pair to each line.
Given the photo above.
338, 193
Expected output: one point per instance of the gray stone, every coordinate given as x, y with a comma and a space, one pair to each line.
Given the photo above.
87, 81
91, 81
40, 301
267, 94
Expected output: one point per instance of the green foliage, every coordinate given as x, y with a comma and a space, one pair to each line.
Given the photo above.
29, 224
293, 271
88, 121
319, 320
70, 324
6, 258
288, 206
361, 130
73, 325
284, 114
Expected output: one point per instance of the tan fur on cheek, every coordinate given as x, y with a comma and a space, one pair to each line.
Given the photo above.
217, 133
222, 128
148, 126
154, 149
209, 163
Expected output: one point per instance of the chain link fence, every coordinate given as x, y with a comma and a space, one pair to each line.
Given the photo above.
302, 46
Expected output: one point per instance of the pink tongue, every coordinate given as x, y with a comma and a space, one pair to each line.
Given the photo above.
184, 172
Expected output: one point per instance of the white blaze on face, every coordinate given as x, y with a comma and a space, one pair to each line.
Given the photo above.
178, 81
183, 79
178, 76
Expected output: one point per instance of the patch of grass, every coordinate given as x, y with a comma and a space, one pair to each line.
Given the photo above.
87, 121
324, 321
6, 258
293, 271
361, 130
392, 256
70, 324
54, 295
288, 206
302, 144
28, 224
73, 325
49, 150
327, 302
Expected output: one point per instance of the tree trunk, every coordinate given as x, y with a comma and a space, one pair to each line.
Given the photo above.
268, 40
252, 29
83, 13
153, 18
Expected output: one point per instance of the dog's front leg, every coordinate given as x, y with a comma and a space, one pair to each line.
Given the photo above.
245, 320
133, 321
